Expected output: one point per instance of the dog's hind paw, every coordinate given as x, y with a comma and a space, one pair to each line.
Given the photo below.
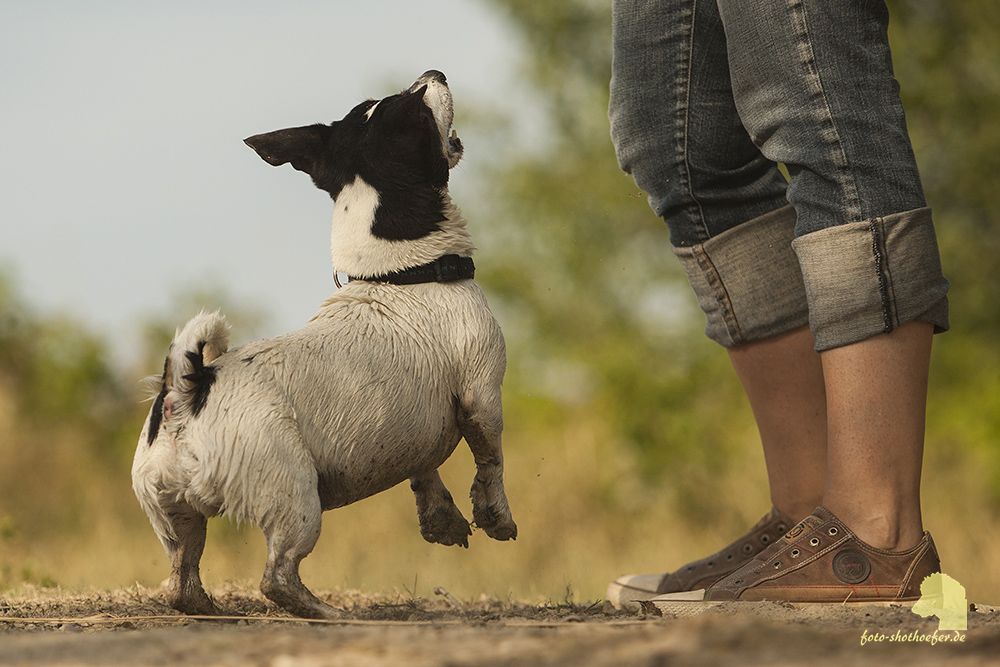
193, 603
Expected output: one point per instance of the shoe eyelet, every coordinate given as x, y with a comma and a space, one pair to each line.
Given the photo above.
795, 553
710, 563
738, 582
747, 548
814, 542
690, 568
764, 539
729, 557
833, 531
777, 564
781, 529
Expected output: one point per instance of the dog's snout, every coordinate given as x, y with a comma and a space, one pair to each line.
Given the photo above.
434, 75
430, 76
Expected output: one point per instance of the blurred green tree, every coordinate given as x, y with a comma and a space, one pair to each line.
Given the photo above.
52, 368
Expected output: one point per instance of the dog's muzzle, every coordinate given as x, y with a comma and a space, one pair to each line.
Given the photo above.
438, 98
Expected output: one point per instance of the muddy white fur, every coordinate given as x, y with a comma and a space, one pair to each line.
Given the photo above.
379, 387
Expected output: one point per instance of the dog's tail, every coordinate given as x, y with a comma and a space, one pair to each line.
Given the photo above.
187, 375
183, 392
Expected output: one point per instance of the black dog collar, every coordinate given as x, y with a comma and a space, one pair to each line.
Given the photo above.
444, 269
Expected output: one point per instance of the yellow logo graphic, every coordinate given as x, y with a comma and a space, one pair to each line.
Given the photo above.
942, 596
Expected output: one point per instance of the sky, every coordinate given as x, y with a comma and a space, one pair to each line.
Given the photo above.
124, 180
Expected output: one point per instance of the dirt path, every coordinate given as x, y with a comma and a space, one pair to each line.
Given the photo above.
133, 628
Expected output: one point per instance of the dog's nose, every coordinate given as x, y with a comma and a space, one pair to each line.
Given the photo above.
434, 74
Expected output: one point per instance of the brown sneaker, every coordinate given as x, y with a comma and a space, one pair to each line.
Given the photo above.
819, 561
627, 591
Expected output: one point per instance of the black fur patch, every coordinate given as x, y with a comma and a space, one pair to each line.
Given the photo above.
395, 147
201, 376
411, 169
156, 416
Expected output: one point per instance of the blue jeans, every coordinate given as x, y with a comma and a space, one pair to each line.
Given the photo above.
707, 96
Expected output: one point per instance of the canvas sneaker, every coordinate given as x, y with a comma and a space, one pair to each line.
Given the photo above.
627, 591
820, 560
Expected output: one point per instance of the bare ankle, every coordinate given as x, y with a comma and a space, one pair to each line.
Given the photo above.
888, 532
797, 509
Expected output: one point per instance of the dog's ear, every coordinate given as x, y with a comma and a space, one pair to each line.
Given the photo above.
300, 146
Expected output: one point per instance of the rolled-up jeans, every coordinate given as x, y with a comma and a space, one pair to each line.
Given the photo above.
709, 96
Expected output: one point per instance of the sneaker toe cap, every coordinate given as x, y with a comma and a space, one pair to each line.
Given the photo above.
626, 591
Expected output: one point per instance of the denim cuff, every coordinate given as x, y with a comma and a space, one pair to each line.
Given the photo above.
747, 280
870, 277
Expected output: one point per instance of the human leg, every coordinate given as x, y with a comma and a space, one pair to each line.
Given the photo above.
865, 544
865, 241
783, 380
872, 275
877, 392
676, 130
827, 106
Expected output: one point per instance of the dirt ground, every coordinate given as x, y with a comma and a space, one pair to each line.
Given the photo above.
133, 627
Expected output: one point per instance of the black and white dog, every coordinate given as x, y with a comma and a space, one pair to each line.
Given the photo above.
379, 387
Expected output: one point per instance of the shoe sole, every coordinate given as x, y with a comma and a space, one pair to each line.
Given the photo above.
683, 608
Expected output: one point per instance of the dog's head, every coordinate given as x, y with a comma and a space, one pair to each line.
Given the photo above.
401, 146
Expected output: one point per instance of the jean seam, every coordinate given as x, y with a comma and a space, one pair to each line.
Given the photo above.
720, 293
815, 79
684, 117
879, 253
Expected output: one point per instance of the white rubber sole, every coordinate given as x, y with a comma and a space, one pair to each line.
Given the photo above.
681, 608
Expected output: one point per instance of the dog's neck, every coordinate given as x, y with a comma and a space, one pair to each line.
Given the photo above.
359, 253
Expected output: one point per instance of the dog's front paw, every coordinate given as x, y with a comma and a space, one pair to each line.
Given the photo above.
455, 149
498, 524
490, 511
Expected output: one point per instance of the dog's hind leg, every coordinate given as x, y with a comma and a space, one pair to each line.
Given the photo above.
480, 421
440, 520
292, 525
290, 538
185, 592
